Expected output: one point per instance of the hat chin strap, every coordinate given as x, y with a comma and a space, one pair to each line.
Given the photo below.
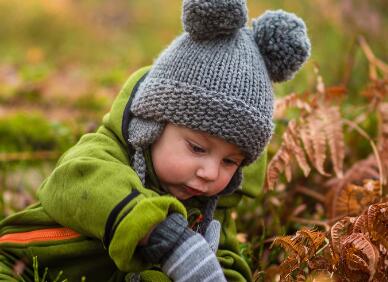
139, 164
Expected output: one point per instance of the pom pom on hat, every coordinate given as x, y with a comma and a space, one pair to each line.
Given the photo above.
207, 19
283, 43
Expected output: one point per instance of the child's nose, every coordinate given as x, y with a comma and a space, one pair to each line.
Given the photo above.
209, 170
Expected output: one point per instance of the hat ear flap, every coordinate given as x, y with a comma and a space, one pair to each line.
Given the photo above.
283, 42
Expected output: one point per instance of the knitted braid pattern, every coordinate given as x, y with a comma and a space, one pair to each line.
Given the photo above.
139, 165
142, 133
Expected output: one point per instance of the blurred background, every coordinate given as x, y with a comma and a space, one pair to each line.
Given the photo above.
63, 62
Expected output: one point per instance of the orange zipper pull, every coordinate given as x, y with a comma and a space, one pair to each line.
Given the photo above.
41, 235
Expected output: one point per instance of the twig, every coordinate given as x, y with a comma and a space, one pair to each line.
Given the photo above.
373, 61
327, 242
306, 191
375, 151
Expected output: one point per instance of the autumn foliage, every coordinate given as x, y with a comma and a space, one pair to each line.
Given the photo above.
353, 244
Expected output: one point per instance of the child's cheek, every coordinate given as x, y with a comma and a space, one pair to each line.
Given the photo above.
223, 181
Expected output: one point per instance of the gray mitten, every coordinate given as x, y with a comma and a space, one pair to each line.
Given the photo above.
183, 254
193, 260
212, 235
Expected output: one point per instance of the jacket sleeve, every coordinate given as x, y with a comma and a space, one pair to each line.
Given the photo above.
93, 179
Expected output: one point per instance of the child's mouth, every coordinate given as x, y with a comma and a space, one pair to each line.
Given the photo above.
192, 191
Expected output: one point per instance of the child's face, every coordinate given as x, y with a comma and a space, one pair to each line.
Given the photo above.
192, 163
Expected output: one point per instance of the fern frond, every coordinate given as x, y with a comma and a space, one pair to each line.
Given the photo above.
289, 245
340, 229
314, 141
377, 222
335, 138
292, 100
295, 146
276, 166
314, 239
352, 200
360, 253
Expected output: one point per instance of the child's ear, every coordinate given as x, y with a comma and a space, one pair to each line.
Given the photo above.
283, 42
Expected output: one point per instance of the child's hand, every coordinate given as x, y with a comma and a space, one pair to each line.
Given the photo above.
194, 259
184, 254
212, 234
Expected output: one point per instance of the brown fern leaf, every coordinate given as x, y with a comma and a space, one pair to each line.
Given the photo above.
289, 265
382, 271
320, 263
300, 248
290, 101
361, 224
281, 162
290, 245
295, 146
311, 239
363, 169
314, 140
335, 138
359, 255
338, 231
286, 158
376, 89
377, 222
276, 166
352, 199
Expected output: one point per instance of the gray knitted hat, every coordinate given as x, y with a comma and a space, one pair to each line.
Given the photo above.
217, 76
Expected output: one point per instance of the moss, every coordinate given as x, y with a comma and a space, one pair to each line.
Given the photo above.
29, 131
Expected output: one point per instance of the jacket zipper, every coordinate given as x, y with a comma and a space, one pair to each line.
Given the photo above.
41, 235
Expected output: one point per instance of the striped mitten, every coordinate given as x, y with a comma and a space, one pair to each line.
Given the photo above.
183, 254
212, 235
193, 260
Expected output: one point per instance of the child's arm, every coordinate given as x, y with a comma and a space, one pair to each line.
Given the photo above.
92, 181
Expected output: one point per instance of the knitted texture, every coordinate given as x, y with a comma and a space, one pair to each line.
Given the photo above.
221, 82
219, 86
217, 77
142, 133
212, 235
282, 39
205, 19
169, 235
166, 235
193, 261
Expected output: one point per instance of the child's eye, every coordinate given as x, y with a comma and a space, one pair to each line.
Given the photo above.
196, 149
231, 162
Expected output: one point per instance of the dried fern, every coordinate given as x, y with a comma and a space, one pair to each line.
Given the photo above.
307, 139
352, 200
300, 248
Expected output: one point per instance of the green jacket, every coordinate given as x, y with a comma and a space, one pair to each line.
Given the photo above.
93, 210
